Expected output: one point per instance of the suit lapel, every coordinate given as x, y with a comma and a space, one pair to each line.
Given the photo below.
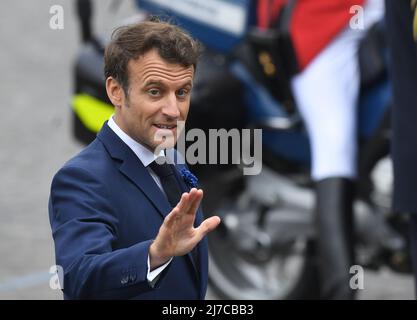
133, 169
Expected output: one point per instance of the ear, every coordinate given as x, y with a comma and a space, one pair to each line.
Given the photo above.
115, 92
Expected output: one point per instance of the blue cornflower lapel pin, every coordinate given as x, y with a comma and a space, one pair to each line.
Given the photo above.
190, 179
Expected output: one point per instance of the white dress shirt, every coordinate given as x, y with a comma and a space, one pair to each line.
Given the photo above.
146, 157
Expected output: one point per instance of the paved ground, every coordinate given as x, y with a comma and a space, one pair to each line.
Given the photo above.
35, 141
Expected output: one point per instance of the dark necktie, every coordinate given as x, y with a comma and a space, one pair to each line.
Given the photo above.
169, 182
172, 189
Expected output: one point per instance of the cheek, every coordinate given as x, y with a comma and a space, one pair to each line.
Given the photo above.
142, 111
184, 108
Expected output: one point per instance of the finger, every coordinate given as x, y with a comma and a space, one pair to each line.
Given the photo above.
182, 207
195, 195
196, 203
188, 203
183, 203
207, 225
171, 217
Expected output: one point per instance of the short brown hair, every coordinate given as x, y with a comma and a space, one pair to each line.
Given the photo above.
172, 43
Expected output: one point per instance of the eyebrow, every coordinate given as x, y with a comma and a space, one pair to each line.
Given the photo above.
161, 83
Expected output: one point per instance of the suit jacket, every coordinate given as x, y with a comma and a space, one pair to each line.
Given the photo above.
104, 211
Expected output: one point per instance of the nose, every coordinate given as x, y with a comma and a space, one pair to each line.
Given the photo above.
171, 108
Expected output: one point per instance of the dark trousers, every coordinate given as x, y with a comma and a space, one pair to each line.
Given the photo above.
413, 237
403, 72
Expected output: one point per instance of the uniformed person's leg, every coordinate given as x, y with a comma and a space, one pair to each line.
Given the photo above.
326, 93
413, 238
403, 71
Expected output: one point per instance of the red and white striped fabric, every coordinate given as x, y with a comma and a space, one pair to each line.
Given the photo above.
314, 23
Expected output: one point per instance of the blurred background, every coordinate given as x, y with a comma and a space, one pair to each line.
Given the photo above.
36, 138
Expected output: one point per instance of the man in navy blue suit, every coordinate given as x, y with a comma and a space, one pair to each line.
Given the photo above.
126, 226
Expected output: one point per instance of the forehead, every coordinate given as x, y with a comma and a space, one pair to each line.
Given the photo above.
151, 66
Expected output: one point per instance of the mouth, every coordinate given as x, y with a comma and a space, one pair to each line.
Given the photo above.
165, 126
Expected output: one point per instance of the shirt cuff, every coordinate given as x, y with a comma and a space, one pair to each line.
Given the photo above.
153, 275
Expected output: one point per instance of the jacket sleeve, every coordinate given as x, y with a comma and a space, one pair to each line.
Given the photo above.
84, 228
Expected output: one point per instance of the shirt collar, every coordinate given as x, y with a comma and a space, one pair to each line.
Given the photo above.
144, 154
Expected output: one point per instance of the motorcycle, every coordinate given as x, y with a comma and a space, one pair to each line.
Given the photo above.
265, 245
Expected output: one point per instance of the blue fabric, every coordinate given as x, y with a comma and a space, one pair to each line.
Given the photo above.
212, 36
104, 210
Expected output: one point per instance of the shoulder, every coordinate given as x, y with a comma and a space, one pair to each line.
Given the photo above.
89, 165
87, 157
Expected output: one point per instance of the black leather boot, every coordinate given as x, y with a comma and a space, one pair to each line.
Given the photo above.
335, 241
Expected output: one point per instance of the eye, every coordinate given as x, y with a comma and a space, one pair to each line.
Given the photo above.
154, 92
182, 93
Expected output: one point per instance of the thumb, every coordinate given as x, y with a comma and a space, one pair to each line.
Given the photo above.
208, 225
